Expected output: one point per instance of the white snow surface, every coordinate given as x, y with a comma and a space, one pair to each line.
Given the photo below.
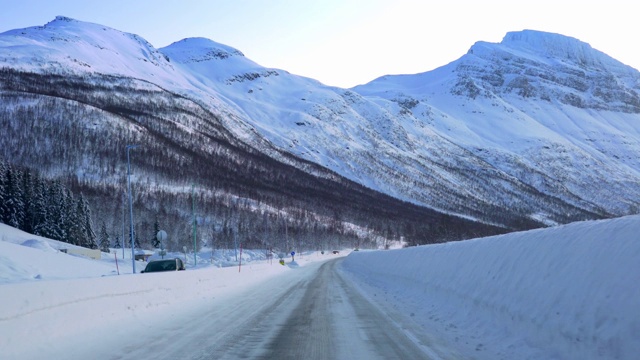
567, 292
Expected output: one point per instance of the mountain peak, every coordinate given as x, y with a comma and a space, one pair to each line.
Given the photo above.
61, 18
65, 22
548, 47
554, 45
199, 49
540, 39
78, 46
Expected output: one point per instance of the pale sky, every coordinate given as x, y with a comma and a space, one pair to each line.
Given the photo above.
347, 42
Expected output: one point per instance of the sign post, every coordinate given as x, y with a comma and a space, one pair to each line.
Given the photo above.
240, 263
161, 236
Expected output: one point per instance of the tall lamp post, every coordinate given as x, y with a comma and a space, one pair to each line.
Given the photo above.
193, 211
133, 257
124, 221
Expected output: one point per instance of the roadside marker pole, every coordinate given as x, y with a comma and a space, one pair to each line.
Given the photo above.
240, 265
116, 256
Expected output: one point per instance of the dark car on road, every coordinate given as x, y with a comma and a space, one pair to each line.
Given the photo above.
164, 265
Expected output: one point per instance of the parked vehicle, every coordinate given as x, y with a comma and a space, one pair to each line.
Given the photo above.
164, 265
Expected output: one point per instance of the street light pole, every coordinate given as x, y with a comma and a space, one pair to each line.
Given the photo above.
124, 206
133, 257
193, 211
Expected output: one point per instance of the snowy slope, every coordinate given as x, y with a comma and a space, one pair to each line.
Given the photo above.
414, 136
67, 45
536, 103
540, 124
568, 292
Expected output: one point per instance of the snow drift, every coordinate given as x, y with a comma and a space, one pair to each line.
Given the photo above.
569, 292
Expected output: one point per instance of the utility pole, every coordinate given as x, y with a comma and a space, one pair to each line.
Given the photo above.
235, 243
193, 211
124, 221
133, 257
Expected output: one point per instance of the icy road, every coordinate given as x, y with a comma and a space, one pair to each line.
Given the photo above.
311, 312
319, 316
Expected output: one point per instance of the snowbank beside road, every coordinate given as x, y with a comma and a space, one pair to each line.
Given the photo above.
51, 297
570, 292
35, 316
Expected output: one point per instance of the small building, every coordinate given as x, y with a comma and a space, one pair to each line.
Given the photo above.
143, 255
94, 254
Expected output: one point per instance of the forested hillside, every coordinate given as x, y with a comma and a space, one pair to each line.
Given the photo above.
76, 129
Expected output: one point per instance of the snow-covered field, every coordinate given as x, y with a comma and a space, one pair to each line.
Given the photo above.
569, 292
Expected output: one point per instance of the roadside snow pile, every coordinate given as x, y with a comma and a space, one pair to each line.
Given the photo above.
39, 244
35, 260
566, 292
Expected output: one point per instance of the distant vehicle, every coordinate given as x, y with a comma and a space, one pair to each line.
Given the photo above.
336, 252
164, 265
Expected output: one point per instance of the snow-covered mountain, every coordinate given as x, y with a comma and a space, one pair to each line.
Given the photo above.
514, 124
545, 109
538, 129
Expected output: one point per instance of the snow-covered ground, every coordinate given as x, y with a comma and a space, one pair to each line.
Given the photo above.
569, 292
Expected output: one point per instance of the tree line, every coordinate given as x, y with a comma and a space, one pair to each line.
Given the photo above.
44, 207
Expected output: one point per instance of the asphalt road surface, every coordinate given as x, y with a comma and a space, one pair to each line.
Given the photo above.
319, 317
309, 313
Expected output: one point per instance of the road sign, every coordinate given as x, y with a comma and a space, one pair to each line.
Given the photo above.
293, 253
161, 236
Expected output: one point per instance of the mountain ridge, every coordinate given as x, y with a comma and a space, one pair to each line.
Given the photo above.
498, 136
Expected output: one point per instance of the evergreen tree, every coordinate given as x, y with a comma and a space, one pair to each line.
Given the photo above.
28, 221
39, 208
117, 244
48, 209
91, 234
87, 235
73, 224
14, 208
3, 197
136, 239
104, 238
54, 203
154, 236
